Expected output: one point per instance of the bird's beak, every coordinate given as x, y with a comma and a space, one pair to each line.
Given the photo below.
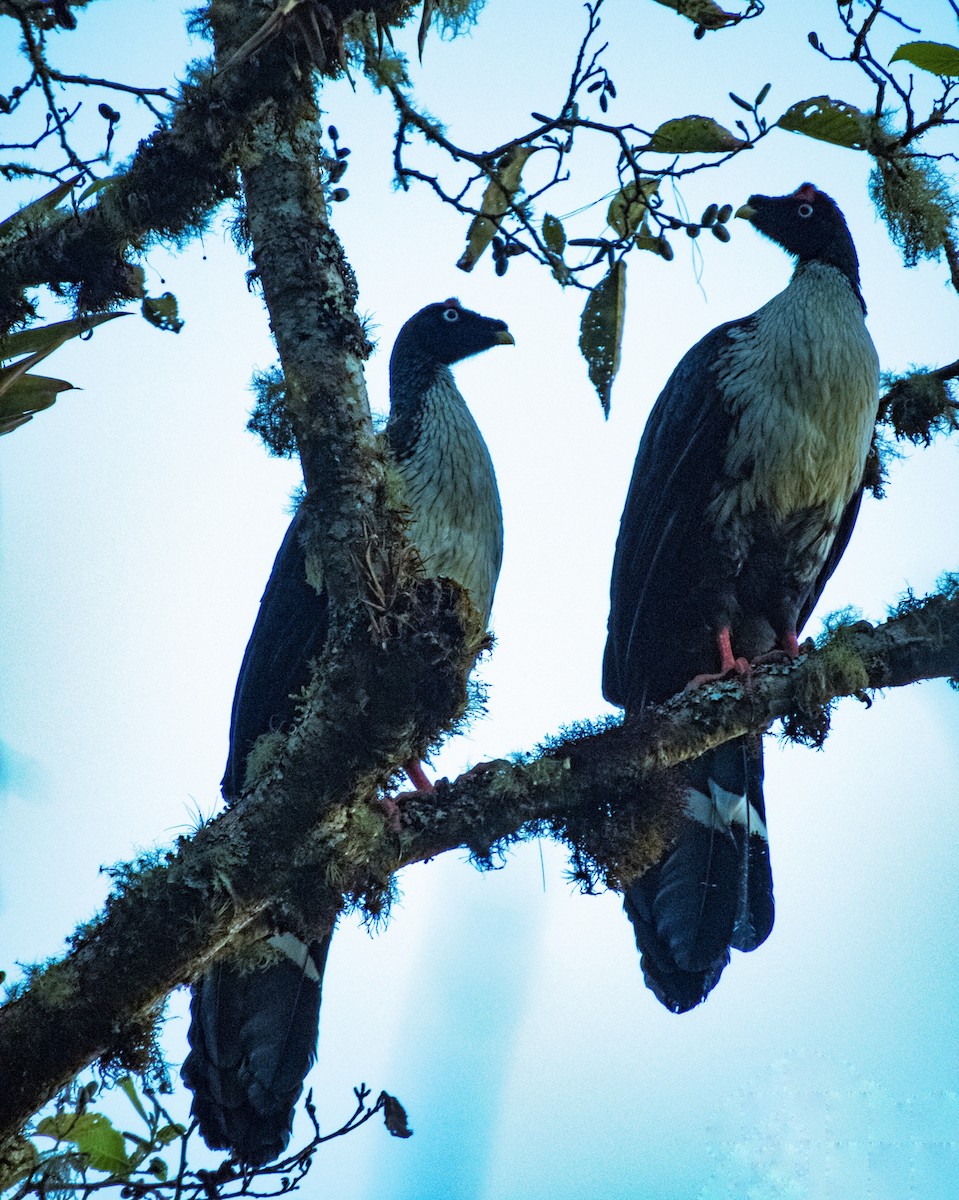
504, 338
746, 212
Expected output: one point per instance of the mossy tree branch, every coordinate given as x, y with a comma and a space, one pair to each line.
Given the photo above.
311, 838
174, 182
311, 293
167, 918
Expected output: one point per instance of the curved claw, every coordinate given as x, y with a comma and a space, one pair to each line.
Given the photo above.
739, 668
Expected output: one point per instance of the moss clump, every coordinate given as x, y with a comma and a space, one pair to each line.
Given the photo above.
918, 406
915, 201
269, 419
616, 832
136, 1051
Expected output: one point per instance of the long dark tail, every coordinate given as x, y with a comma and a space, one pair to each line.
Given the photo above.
253, 1039
714, 889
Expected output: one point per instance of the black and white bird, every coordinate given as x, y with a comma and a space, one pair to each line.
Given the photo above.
254, 1029
743, 497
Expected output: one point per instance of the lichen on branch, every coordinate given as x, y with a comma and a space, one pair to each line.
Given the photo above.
167, 921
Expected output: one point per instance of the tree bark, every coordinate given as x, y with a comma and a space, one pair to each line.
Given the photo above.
312, 836
167, 918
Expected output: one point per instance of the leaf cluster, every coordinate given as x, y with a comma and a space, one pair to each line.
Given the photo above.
22, 393
912, 194
90, 1154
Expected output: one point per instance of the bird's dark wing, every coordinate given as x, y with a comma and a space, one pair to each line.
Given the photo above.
252, 1041
836, 551
253, 1031
713, 889
661, 549
290, 631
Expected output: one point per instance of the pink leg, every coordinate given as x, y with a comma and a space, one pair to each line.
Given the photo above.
789, 642
420, 781
786, 651
729, 664
394, 817
418, 777
727, 660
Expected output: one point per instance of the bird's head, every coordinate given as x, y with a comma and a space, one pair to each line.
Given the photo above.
447, 332
808, 225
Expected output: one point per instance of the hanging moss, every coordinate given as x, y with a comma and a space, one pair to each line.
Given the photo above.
919, 406
915, 201
615, 832
269, 419
458, 16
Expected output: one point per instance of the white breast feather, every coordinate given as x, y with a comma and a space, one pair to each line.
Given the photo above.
802, 384
456, 520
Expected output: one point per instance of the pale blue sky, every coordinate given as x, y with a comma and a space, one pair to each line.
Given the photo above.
138, 523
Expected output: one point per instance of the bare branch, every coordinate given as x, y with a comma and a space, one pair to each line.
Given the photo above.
35, 54
112, 84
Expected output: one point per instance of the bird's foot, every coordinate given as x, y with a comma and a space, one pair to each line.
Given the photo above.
417, 776
739, 668
484, 768
774, 658
786, 651
392, 806
730, 666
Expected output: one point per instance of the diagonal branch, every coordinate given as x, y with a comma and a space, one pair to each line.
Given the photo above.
311, 835
173, 184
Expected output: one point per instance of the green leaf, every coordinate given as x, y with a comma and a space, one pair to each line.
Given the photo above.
22, 394
500, 190
158, 1169
25, 396
169, 1133
44, 339
37, 209
394, 1116
554, 235
97, 186
162, 312
827, 120
628, 207
93, 1135
426, 17
129, 1087
693, 135
601, 330
702, 12
938, 58
656, 244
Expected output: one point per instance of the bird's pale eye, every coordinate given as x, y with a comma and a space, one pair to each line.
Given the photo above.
805, 211
451, 314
